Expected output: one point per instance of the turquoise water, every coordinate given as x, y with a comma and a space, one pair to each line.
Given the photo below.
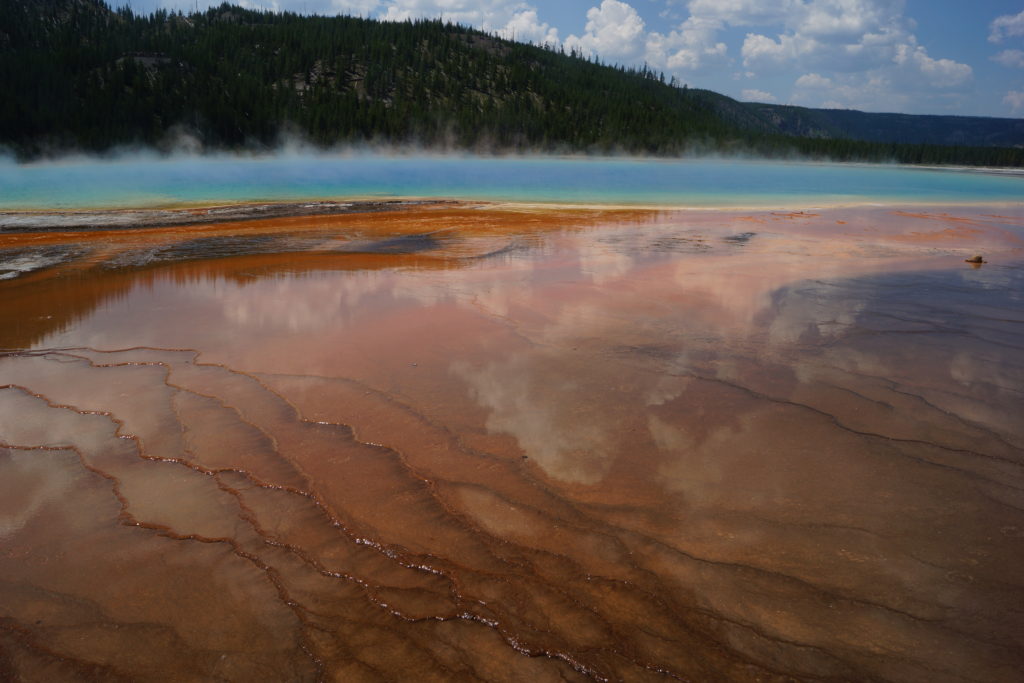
701, 183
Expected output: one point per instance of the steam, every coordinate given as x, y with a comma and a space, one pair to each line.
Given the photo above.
183, 141
183, 171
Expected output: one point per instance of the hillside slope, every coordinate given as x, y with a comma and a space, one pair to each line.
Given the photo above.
977, 131
75, 74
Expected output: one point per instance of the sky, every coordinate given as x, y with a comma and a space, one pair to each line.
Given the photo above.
911, 56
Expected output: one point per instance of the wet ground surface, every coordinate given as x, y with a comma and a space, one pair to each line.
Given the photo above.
509, 443
100, 219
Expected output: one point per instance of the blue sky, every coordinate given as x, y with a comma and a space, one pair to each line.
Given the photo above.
912, 56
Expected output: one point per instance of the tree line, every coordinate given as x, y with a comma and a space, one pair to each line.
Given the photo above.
77, 75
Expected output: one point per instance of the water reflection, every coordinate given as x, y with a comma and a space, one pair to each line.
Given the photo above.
29, 483
704, 445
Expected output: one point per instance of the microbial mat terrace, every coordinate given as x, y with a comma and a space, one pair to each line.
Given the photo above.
458, 441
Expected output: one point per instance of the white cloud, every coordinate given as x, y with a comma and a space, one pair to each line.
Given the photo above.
1012, 58
759, 50
895, 89
1015, 99
813, 81
809, 18
853, 53
613, 30
874, 37
1006, 26
498, 16
689, 48
745, 12
940, 73
753, 95
524, 26
849, 18
857, 54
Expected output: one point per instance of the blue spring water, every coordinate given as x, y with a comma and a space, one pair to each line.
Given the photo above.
146, 182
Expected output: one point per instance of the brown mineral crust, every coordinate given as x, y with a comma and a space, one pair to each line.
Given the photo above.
547, 443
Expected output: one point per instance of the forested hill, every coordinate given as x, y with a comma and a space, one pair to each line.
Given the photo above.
76, 75
978, 131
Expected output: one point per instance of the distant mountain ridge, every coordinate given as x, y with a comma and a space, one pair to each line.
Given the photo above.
928, 129
77, 75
